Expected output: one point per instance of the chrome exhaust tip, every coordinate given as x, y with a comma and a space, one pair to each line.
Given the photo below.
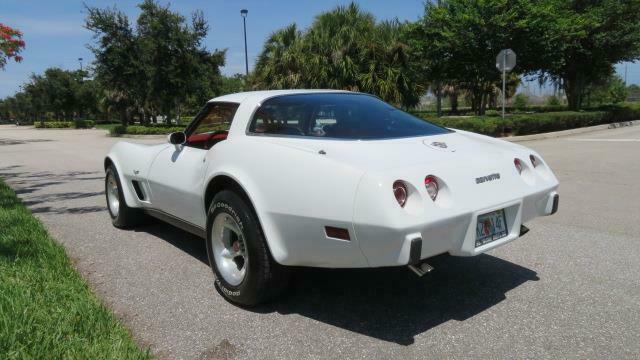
421, 269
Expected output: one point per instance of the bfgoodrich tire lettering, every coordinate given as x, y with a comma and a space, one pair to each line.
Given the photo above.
263, 278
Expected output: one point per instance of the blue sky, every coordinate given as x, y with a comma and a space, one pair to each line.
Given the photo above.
54, 33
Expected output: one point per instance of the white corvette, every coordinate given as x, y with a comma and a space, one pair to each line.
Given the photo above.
329, 179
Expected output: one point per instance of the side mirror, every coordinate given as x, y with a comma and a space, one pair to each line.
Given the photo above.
177, 138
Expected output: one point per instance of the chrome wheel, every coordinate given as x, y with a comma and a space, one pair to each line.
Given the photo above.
229, 249
113, 196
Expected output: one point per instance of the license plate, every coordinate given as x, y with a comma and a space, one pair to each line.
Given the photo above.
491, 227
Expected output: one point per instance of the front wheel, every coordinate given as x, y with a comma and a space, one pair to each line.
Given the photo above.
122, 216
245, 271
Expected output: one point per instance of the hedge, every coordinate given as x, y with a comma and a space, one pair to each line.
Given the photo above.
53, 124
144, 130
78, 124
526, 124
85, 124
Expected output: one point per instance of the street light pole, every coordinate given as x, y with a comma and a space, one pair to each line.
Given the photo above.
439, 88
81, 81
244, 13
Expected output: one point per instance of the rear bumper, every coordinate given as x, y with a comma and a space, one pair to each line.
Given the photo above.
379, 243
456, 235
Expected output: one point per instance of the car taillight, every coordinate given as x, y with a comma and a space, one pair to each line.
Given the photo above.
518, 165
400, 192
431, 184
534, 161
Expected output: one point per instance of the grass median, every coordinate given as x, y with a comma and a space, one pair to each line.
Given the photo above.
46, 308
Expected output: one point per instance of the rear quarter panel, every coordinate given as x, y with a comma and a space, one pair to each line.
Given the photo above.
296, 192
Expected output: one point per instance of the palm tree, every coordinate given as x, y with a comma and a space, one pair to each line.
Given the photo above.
343, 49
279, 64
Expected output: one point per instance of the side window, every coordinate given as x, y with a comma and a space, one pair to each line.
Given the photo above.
213, 126
218, 117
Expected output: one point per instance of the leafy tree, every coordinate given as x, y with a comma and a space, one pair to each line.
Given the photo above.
117, 64
456, 43
56, 93
11, 44
585, 39
156, 68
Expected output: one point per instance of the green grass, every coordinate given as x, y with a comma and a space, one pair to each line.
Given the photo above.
46, 308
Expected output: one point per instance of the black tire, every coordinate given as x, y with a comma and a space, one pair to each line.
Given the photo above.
264, 278
126, 216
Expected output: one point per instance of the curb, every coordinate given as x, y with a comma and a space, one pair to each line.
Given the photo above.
556, 134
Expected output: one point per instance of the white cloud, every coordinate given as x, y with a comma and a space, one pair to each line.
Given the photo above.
30, 26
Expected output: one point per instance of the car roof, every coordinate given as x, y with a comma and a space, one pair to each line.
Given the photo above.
259, 96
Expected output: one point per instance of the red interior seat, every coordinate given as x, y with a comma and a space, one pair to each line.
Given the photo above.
206, 140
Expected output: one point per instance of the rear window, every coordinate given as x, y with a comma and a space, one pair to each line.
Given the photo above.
338, 115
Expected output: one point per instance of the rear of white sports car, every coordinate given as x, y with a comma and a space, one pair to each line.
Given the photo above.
370, 186
458, 193
343, 180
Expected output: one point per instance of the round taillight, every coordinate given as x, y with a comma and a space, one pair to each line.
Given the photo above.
534, 161
431, 184
400, 192
518, 165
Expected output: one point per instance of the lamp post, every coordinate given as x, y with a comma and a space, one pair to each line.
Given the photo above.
244, 13
81, 81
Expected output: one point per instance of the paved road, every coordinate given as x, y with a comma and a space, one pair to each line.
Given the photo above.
569, 289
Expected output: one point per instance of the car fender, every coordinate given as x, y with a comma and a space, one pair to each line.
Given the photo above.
132, 161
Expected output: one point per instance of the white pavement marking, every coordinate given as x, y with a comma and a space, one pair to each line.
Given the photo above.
607, 140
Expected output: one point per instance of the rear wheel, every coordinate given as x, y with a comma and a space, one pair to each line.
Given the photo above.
122, 216
245, 271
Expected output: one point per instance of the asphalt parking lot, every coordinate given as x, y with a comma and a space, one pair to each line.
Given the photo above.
569, 289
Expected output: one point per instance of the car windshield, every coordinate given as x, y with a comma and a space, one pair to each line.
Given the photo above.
338, 115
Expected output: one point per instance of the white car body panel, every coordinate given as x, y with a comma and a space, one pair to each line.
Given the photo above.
296, 191
176, 179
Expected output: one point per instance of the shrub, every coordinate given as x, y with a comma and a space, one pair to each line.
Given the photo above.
144, 130
118, 130
84, 124
553, 101
78, 124
520, 101
493, 113
54, 124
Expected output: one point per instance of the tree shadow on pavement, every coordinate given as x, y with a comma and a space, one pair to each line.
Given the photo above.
393, 304
21, 142
27, 185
